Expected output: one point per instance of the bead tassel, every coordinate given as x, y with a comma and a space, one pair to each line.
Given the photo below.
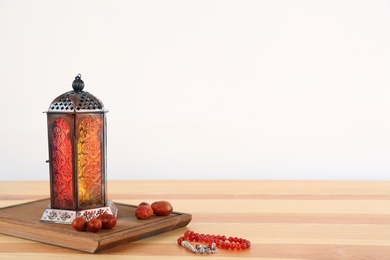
212, 241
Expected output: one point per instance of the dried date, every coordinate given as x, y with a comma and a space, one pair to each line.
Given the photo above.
162, 208
80, 224
108, 220
143, 211
94, 225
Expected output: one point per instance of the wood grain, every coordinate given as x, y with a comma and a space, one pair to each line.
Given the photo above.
283, 219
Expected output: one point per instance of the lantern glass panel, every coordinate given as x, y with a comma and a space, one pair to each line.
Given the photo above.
90, 160
60, 129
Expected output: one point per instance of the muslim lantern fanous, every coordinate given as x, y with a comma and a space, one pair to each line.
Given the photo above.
76, 123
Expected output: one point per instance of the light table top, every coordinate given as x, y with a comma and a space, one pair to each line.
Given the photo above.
282, 219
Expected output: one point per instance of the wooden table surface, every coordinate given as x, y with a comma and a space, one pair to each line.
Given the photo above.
283, 219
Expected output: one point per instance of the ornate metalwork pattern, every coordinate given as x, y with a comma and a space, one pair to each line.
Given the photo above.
58, 216
109, 208
52, 215
62, 165
89, 163
64, 216
67, 216
93, 213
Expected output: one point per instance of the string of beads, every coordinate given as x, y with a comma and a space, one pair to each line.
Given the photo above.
212, 241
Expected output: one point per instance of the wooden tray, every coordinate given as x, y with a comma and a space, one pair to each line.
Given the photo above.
23, 221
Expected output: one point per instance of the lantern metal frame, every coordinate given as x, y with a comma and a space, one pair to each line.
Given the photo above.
70, 111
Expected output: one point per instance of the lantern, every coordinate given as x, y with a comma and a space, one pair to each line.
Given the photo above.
76, 123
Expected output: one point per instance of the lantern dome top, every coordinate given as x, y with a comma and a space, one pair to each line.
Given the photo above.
77, 100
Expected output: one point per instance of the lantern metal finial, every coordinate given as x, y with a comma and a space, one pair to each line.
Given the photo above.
78, 84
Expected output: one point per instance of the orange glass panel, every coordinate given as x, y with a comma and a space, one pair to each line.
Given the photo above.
62, 165
89, 163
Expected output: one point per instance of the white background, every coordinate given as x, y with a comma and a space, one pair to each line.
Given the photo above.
204, 89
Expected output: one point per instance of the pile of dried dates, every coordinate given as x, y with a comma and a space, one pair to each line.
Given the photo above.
106, 221
159, 208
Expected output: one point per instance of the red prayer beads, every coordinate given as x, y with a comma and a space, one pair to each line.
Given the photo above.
223, 242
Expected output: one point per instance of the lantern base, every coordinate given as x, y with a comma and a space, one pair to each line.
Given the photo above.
62, 216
